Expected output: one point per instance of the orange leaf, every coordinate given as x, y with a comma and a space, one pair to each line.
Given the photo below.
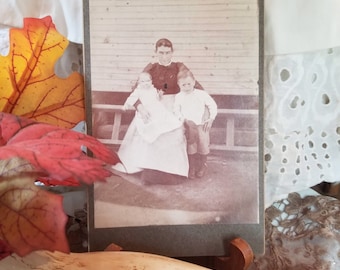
29, 86
31, 218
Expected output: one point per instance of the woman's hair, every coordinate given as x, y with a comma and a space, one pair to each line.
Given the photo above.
164, 42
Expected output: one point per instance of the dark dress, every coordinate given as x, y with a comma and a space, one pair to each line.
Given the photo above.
165, 77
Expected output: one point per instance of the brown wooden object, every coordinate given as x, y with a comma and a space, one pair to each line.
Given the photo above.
241, 256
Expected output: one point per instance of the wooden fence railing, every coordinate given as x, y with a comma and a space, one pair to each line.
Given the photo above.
229, 115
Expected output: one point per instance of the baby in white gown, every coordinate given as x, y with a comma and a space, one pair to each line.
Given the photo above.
160, 120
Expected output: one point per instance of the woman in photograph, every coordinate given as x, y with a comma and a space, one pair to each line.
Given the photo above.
163, 160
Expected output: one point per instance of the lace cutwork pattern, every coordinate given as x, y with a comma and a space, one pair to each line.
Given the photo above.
301, 234
301, 121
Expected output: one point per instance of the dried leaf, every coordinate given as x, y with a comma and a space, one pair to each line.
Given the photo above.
16, 166
49, 181
29, 87
57, 152
5, 250
31, 218
10, 124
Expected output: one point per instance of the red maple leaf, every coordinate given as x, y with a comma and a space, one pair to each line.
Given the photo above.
31, 218
55, 152
5, 250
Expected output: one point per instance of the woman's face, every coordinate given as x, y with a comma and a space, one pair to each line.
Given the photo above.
164, 55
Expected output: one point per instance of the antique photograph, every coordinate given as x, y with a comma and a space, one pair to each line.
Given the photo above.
174, 90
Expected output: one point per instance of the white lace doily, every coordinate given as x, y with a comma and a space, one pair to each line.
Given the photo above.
301, 121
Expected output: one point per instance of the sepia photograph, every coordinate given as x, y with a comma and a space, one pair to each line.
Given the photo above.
174, 90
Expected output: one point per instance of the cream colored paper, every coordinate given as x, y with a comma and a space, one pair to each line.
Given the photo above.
294, 26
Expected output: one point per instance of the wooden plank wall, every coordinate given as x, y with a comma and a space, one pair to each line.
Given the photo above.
217, 39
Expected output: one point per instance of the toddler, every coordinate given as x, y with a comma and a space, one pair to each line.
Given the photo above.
191, 106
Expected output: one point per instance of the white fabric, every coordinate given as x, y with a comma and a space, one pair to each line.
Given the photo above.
167, 153
293, 26
67, 15
302, 127
160, 119
191, 106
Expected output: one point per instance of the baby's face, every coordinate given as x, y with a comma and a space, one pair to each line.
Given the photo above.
145, 81
186, 84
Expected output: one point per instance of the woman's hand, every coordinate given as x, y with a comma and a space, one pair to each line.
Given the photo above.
160, 93
144, 113
207, 125
128, 107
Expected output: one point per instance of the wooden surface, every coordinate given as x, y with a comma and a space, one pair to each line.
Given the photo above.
241, 256
228, 115
105, 260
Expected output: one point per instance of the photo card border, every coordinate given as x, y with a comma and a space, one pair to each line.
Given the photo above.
177, 240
